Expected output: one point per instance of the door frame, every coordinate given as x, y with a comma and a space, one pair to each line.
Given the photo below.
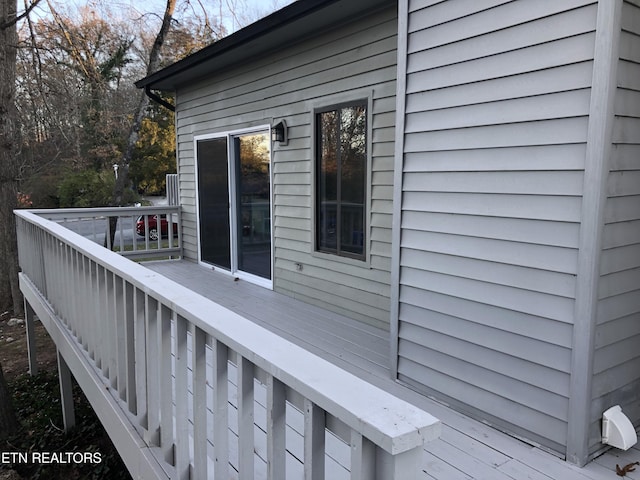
233, 218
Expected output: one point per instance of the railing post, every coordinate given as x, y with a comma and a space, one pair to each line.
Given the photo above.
66, 394
402, 466
363, 457
29, 316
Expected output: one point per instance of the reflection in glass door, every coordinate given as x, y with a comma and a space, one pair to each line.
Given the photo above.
236, 234
253, 195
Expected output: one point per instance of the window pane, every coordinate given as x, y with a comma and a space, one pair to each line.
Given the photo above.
213, 202
341, 157
254, 204
353, 140
327, 180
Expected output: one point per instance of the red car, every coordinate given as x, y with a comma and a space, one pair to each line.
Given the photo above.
152, 221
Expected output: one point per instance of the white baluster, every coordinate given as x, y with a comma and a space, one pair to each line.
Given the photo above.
314, 440
276, 429
221, 410
199, 362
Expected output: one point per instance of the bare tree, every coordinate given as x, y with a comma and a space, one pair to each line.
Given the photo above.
154, 62
122, 180
10, 167
10, 297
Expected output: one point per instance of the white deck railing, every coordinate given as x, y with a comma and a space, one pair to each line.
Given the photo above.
140, 232
211, 394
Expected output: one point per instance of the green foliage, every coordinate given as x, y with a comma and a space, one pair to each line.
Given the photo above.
37, 403
90, 188
155, 154
43, 189
86, 189
111, 68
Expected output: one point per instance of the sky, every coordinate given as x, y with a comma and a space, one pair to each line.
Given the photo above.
246, 11
257, 8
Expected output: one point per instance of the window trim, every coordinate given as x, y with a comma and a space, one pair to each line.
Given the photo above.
333, 103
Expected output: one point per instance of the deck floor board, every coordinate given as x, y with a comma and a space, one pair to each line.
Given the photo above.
468, 449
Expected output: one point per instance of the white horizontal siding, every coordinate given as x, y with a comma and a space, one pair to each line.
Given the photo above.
539, 57
487, 315
497, 105
541, 257
617, 357
541, 107
536, 83
358, 57
512, 29
550, 207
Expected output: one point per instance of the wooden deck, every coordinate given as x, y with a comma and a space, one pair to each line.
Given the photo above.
467, 449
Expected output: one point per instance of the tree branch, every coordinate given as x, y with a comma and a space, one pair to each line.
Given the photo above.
13, 21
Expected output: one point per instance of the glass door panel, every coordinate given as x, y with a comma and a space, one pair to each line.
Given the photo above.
253, 204
213, 202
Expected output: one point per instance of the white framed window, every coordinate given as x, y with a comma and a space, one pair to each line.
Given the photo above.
341, 173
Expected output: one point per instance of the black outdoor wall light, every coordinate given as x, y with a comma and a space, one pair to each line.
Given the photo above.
279, 133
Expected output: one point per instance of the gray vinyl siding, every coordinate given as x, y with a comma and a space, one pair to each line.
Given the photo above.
347, 63
617, 356
497, 105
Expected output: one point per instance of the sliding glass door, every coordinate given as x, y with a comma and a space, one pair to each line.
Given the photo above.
213, 202
234, 202
253, 201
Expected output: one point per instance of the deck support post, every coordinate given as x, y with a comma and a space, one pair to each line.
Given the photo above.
66, 394
29, 317
402, 466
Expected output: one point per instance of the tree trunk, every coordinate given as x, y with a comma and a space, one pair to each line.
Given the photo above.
9, 165
8, 422
11, 298
154, 61
122, 181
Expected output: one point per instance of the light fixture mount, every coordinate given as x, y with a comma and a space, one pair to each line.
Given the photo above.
279, 133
